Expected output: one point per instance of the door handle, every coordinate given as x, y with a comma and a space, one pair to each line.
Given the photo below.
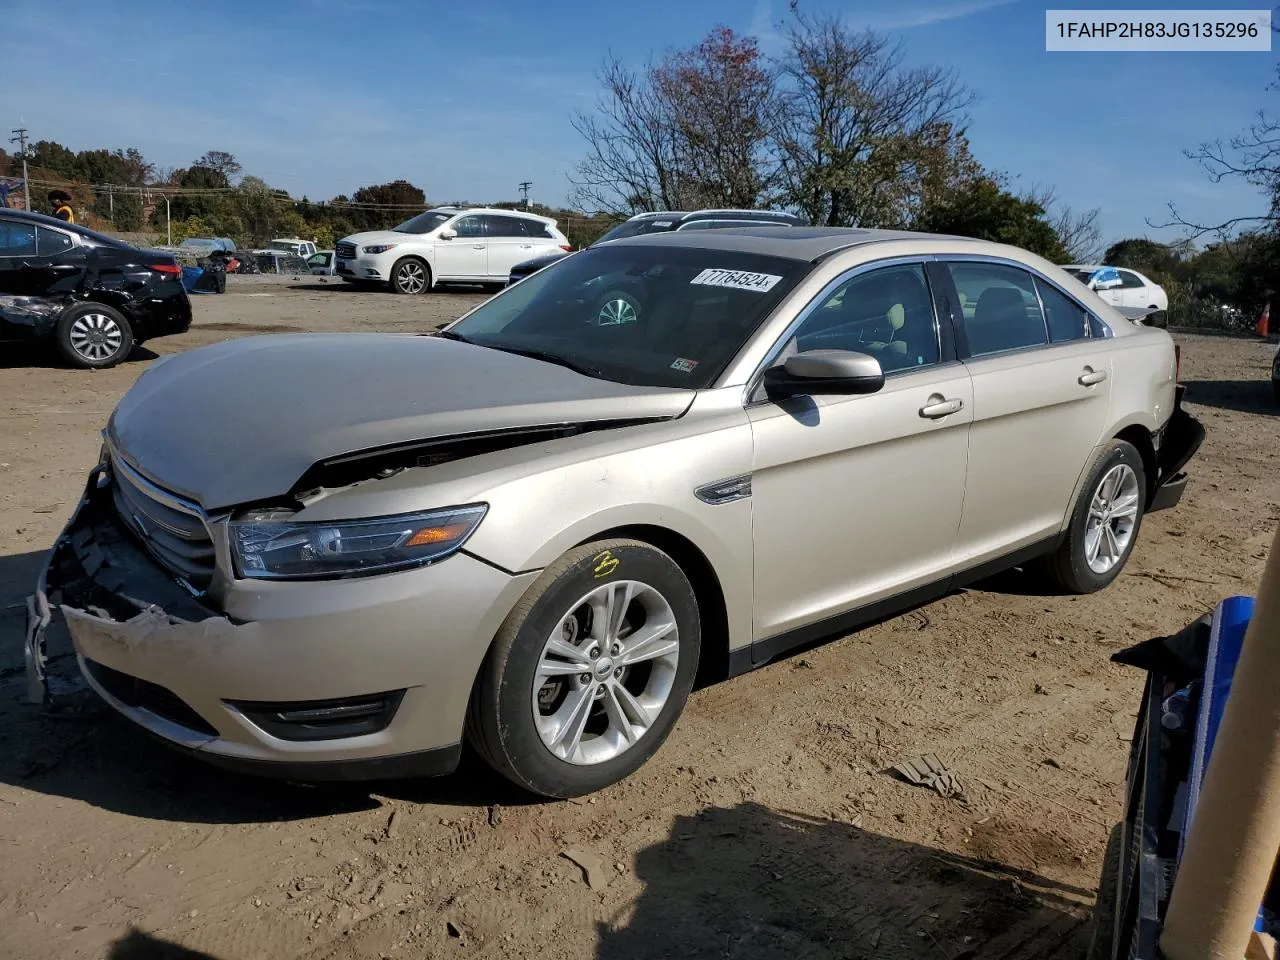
1091, 377
478, 246
939, 407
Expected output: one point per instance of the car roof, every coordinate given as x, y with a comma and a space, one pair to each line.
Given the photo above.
455, 211
794, 243
684, 216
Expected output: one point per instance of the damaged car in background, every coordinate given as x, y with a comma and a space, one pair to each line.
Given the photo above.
345, 555
89, 295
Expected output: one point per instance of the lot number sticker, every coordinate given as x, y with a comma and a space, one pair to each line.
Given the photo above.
736, 279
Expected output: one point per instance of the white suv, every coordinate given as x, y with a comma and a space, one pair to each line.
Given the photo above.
474, 245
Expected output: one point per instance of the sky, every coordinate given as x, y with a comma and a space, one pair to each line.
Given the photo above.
467, 99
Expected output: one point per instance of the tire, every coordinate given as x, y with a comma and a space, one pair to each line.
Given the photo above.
1102, 943
94, 336
1159, 319
615, 308
1070, 566
1275, 390
410, 276
528, 734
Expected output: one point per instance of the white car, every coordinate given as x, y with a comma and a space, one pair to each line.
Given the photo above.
1129, 291
293, 245
469, 245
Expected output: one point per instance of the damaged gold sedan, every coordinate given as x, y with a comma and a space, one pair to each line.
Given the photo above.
342, 556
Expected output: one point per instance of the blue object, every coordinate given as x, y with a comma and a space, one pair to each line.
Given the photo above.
189, 277
1104, 275
1226, 639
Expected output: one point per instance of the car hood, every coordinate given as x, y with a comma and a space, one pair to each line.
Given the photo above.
242, 421
382, 236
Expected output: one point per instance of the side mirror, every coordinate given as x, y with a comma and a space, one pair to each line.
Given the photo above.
447, 234
816, 372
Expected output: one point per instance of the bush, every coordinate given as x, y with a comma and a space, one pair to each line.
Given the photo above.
1186, 309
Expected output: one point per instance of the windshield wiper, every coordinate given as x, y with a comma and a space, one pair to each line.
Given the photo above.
547, 357
450, 335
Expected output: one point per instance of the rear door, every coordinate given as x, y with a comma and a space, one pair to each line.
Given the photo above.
1132, 290
509, 244
1041, 388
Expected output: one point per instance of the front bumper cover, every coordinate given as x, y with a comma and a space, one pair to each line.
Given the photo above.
423, 633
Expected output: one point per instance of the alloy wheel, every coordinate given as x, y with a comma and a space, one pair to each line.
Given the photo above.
1113, 517
96, 336
411, 278
606, 672
616, 311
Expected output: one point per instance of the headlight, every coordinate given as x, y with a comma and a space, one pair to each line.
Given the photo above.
379, 248
273, 549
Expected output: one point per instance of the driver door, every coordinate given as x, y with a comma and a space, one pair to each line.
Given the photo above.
857, 499
466, 256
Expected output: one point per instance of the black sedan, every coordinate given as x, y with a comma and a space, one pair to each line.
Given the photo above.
669, 220
93, 296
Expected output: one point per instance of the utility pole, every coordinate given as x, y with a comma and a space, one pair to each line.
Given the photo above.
20, 138
524, 189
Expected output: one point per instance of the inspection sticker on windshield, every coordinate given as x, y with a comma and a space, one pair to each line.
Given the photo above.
736, 279
683, 365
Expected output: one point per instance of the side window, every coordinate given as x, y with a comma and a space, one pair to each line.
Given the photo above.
504, 226
1001, 311
886, 313
17, 239
51, 242
1067, 320
469, 227
1130, 280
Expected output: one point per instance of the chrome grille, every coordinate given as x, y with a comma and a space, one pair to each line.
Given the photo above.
172, 528
346, 251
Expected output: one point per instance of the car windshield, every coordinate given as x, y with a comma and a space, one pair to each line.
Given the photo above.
1081, 275
659, 316
635, 228
423, 222
284, 245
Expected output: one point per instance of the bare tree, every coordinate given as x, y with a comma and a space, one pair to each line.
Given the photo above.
720, 96
1079, 231
858, 131
1252, 156
632, 160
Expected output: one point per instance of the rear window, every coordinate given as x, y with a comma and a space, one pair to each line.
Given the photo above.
636, 228
650, 316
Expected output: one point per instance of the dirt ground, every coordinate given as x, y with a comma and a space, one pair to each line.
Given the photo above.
766, 827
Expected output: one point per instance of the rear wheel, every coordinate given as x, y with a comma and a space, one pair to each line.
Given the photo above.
410, 276
1105, 523
590, 671
94, 336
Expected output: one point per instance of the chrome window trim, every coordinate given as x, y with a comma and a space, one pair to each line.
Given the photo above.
945, 259
753, 381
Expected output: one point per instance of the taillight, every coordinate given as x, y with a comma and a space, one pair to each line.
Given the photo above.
1177, 363
172, 269
567, 248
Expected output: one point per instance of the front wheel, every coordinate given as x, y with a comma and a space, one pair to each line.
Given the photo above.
410, 276
94, 336
590, 671
1105, 523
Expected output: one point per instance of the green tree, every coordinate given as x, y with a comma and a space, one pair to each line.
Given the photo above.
986, 210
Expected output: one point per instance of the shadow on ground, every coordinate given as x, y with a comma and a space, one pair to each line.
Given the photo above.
77, 747
43, 354
137, 945
749, 881
1246, 396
